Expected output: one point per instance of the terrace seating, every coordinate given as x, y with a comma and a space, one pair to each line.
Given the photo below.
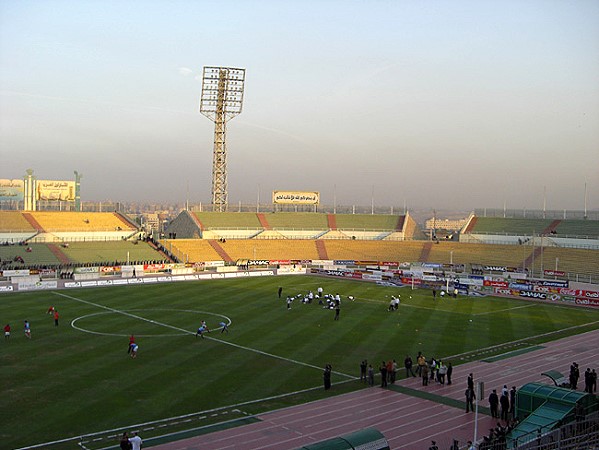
14, 227
486, 254
572, 260
52, 221
228, 221
297, 221
514, 227
366, 222
40, 255
578, 228
272, 249
398, 251
13, 221
110, 251
191, 250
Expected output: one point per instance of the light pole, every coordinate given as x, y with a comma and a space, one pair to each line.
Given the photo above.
451, 257
221, 100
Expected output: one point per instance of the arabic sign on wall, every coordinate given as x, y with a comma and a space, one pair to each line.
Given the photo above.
55, 190
295, 198
11, 190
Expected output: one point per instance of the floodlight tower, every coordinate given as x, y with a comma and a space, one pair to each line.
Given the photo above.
222, 99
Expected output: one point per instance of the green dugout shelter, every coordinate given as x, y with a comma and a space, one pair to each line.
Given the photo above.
541, 408
366, 439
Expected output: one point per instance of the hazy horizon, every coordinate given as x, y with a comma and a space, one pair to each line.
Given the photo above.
443, 105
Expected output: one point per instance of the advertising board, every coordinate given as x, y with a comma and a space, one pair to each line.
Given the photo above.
11, 190
295, 198
55, 190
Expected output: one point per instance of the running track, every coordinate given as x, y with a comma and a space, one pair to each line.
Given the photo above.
408, 422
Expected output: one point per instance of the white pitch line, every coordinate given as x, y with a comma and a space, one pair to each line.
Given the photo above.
280, 357
505, 309
118, 311
207, 337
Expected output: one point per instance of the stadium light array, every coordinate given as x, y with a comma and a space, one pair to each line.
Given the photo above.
221, 100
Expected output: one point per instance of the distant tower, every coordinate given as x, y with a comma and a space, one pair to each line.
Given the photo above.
222, 99
78, 177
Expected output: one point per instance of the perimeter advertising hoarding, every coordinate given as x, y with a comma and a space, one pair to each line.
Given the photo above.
55, 190
11, 190
295, 198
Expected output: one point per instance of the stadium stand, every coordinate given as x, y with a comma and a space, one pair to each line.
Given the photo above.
228, 221
297, 221
55, 226
563, 233
516, 227
37, 256
399, 251
486, 254
275, 249
51, 221
14, 227
111, 251
366, 222
191, 250
585, 229
284, 225
572, 260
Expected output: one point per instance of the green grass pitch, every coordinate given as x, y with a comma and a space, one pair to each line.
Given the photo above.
77, 378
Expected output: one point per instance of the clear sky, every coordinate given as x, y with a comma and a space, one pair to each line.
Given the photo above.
440, 104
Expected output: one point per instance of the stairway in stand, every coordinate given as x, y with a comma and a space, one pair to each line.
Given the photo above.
426, 250
263, 221
321, 249
221, 251
56, 251
332, 221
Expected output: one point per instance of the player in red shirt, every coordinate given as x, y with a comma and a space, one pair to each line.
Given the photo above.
56, 316
131, 343
7, 331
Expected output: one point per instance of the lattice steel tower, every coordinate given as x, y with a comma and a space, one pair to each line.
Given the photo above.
222, 99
